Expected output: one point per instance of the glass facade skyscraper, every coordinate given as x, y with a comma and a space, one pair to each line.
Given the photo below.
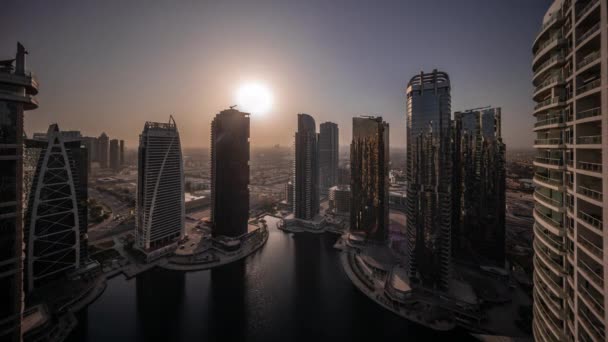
429, 177
306, 170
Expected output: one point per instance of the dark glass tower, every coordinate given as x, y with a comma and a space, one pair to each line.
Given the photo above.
17, 90
56, 217
478, 215
114, 155
306, 170
369, 183
103, 150
230, 173
328, 156
429, 176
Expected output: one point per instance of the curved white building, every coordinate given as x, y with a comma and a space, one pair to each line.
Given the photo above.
160, 189
570, 263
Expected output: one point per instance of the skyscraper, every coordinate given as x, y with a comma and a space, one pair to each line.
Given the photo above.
369, 184
103, 150
160, 189
570, 237
17, 90
114, 155
429, 177
56, 217
328, 156
122, 153
478, 212
306, 170
230, 173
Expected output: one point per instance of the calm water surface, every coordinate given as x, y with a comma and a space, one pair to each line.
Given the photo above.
293, 289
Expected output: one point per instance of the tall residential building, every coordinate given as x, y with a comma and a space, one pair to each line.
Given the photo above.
478, 188
328, 156
306, 170
339, 199
570, 238
103, 150
369, 184
92, 147
17, 90
114, 155
429, 177
56, 216
230, 173
122, 153
160, 189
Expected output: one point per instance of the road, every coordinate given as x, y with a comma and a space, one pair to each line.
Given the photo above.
119, 210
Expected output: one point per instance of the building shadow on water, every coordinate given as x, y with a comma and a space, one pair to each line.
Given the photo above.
227, 319
160, 296
307, 287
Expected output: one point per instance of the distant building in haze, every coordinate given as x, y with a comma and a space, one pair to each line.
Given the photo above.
103, 150
328, 156
306, 170
56, 217
429, 178
18, 88
160, 189
122, 153
289, 193
114, 155
339, 199
369, 184
479, 180
230, 173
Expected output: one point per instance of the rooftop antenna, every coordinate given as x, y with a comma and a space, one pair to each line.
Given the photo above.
232, 107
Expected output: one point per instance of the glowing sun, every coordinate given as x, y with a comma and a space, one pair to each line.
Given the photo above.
254, 98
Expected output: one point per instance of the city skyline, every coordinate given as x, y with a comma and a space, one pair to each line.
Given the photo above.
192, 58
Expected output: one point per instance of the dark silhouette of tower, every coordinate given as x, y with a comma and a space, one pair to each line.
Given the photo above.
306, 170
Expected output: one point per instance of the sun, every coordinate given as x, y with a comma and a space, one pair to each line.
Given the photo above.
254, 98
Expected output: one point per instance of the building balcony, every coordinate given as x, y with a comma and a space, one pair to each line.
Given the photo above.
593, 29
591, 167
29, 101
594, 221
597, 331
589, 113
541, 271
550, 23
546, 259
595, 304
549, 163
546, 46
553, 304
551, 203
594, 276
550, 122
549, 143
550, 63
548, 84
589, 140
589, 59
553, 333
548, 104
590, 247
588, 87
590, 193
27, 80
551, 183
585, 10
549, 223
548, 240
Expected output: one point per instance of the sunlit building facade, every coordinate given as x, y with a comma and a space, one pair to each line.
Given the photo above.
369, 183
230, 173
17, 90
160, 189
570, 78
429, 178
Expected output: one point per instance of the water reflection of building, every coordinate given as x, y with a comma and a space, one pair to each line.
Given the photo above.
227, 303
369, 162
159, 299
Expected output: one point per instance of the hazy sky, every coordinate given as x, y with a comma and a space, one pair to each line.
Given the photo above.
111, 65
